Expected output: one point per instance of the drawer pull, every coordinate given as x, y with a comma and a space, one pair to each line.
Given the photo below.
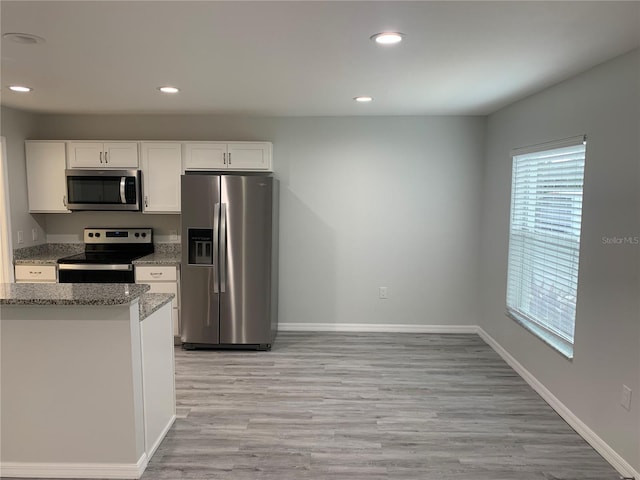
35, 272
155, 274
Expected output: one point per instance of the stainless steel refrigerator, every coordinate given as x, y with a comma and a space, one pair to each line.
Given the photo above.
229, 261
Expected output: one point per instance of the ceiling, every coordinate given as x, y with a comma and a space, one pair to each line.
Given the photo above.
302, 57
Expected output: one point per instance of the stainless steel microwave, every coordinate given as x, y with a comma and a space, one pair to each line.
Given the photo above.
103, 189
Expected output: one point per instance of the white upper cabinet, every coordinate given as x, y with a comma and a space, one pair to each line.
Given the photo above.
250, 156
205, 156
161, 170
46, 185
102, 154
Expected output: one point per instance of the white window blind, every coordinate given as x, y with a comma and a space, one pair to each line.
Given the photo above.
544, 240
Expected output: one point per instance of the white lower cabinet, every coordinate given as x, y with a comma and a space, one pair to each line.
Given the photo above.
36, 274
163, 279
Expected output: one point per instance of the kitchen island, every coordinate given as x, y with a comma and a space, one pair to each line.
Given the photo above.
87, 375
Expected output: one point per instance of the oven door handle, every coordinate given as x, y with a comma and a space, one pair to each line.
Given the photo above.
90, 266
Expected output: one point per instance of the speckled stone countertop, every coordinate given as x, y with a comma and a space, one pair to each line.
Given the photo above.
98, 294
45, 254
150, 302
49, 253
164, 254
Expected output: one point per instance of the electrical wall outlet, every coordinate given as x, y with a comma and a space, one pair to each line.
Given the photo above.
173, 236
20, 236
34, 234
625, 399
382, 293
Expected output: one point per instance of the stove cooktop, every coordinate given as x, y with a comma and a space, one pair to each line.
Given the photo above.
102, 258
114, 246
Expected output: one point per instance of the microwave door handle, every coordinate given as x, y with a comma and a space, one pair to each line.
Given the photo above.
123, 197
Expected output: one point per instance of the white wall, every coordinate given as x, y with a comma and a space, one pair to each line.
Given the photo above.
604, 104
365, 202
16, 126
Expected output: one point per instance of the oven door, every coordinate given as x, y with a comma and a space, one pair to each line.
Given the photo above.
95, 273
103, 189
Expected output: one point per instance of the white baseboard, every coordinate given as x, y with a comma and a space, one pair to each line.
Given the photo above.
74, 470
158, 441
375, 327
609, 454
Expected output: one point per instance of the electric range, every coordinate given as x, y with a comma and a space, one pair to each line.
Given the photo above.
108, 256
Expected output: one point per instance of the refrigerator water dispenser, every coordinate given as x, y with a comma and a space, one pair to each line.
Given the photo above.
200, 246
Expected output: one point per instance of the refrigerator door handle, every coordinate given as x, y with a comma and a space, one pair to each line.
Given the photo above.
222, 260
216, 246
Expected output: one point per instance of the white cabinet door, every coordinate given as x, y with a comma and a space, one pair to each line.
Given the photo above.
102, 154
158, 384
169, 287
249, 156
205, 156
45, 177
161, 170
85, 155
121, 154
163, 279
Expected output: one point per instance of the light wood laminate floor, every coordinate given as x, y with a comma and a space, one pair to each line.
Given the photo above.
371, 406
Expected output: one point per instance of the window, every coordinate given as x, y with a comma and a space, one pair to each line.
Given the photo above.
544, 240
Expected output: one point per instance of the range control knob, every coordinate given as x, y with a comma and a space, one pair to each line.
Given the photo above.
144, 234
97, 234
91, 234
137, 234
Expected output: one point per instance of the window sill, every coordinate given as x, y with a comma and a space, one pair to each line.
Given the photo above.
563, 348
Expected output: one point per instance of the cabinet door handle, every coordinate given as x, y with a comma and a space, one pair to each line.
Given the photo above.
229, 158
224, 158
100, 157
64, 200
106, 157
146, 201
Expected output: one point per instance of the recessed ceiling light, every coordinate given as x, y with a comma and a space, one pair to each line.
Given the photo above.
23, 38
363, 99
387, 38
168, 89
20, 88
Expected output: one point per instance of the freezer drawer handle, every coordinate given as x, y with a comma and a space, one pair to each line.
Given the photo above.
223, 247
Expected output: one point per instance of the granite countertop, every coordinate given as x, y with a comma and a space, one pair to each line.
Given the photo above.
150, 302
98, 294
49, 253
45, 254
159, 258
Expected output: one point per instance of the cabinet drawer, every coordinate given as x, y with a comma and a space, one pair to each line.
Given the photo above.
35, 273
156, 274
